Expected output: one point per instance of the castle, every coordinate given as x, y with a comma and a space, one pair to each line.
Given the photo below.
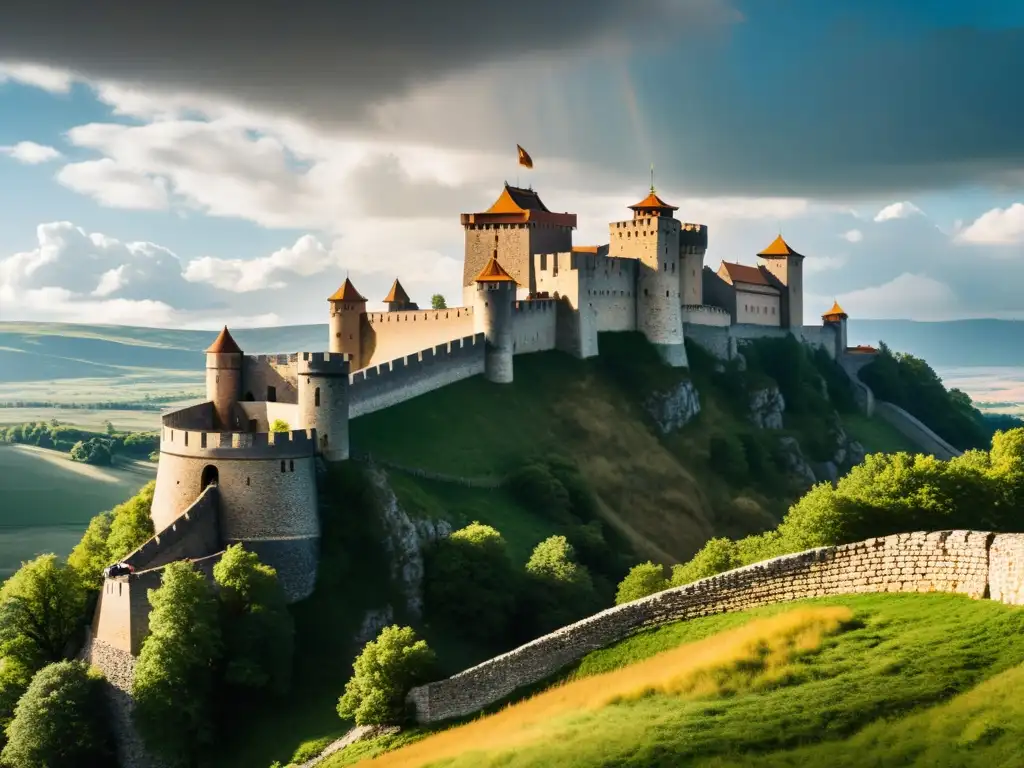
242, 465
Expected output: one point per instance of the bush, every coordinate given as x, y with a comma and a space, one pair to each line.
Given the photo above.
642, 580
279, 425
537, 489
470, 582
716, 556
258, 631
560, 590
174, 673
93, 451
386, 670
61, 720
14, 681
113, 535
310, 749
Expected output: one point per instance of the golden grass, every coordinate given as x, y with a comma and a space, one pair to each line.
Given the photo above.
757, 655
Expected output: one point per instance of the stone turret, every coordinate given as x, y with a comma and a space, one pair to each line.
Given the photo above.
347, 309
492, 313
223, 377
323, 401
837, 318
398, 300
787, 267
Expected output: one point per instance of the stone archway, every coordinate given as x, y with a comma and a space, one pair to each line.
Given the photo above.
210, 476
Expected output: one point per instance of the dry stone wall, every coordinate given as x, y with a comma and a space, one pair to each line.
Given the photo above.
945, 561
1006, 568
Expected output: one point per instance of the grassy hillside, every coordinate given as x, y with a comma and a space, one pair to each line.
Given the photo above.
48, 500
881, 680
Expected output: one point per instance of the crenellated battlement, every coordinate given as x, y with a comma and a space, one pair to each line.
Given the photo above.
408, 364
278, 359
418, 315
324, 363
238, 445
535, 305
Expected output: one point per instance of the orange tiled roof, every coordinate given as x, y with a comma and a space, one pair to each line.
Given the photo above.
863, 349
347, 292
836, 311
517, 205
653, 201
494, 273
779, 247
397, 294
517, 200
741, 273
224, 344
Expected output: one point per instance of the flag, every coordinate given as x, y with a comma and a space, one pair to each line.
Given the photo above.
524, 157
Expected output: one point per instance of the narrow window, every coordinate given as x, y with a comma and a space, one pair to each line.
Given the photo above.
291, 465
666, 294
271, 394
316, 397
282, 465
248, 481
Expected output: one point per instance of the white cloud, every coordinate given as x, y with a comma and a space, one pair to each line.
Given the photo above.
47, 78
1000, 226
853, 236
908, 296
114, 185
902, 210
307, 257
824, 263
30, 153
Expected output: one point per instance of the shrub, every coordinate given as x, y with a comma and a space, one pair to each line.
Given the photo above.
642, 580
132, 525
470, 582
384, 673
91, 555
560, 590
14, 680
258, 631
279, 425
537, 489
61, 720
716, 556
174, 672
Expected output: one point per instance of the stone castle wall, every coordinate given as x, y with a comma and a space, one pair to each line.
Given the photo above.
915, 431
386, 336
121, 619
705, 314
264, 414
382, 386
195, 533
263, 373
534, 326
945, 561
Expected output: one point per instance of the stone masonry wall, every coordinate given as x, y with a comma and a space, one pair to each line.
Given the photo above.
914, 430
194, 534
387, 336
382, 386
1006, 568
945, 561
261, 372
534, 325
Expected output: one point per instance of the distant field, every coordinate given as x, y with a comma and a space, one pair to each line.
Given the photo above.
127, 421
48, 500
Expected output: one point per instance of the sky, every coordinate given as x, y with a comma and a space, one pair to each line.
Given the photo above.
171, 164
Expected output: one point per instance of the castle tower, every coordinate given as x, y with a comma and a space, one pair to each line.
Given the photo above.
837, 318
693, 246
652, 237
517, 226
347, 310
397, 299
492, 316
787, 267
223, 377
323, 401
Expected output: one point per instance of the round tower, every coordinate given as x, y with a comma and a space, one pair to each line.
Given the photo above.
223, 377
323, 401
652, 237
836, 318
492, 316
347, 309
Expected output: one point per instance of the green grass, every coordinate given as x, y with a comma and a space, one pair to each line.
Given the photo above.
876, 435
48, 500
913, 680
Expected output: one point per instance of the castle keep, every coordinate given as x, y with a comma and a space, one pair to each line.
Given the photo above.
241, 467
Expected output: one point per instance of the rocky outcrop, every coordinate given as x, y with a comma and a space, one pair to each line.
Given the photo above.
766, 408
373, 622
405, 540
675, 408
795, 464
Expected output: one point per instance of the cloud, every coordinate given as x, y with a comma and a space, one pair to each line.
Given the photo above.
114, 185
307, 257
596, 83
908, 296
901, 210
54, 80
853, 236
1000, 226
30, 153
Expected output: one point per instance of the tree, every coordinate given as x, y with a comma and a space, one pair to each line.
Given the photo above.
91, 554
279, 425
560, 590
642, 580
259, 635
41, 611
716, 556
470, 582
14, 680
61, 720
109, 427
437, 302
384, 673
174, 673
132, 525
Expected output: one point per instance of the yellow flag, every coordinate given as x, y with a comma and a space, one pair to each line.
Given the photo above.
524, 157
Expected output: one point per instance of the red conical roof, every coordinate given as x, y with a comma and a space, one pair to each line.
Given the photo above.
347, 292
224, 344
493, 272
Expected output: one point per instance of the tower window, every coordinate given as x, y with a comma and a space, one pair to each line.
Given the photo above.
666, 294
248, 481
271, 394
282, 465
291, 465
316, 397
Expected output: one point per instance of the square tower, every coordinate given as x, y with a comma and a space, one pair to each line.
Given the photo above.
518, 225
787, 268
651, 237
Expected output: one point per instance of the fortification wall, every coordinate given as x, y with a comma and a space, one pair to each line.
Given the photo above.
198, 416
851, 365
195, 533
260, 415
1006, 568
716, 339
916, 431
610, 289
705, 314
823, 336
382, 386
121, 619
387, 336
534, 325
270, 377
946, 561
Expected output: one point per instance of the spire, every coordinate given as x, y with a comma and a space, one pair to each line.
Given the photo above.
652, 178
493, 272
224, 344
836, 313
779, 247
397, 294
347, 292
